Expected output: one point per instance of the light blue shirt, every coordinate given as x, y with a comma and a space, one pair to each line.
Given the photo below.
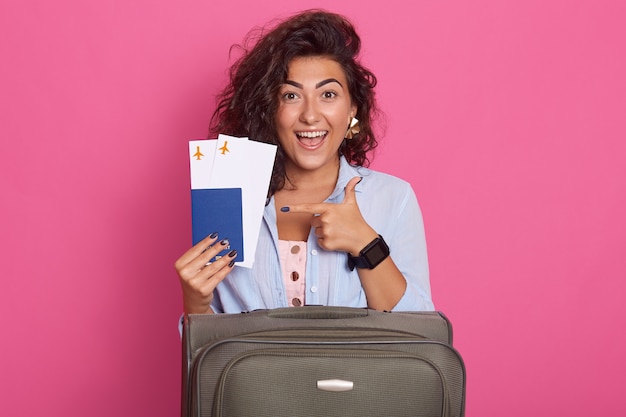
388, 204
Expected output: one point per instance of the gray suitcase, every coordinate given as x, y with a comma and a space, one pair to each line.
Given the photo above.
321, 361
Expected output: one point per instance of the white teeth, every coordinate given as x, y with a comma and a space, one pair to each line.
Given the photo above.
311, 134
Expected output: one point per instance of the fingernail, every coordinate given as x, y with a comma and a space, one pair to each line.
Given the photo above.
225, 242
232, 253
360, 180
213, 235
231, 263
284, 209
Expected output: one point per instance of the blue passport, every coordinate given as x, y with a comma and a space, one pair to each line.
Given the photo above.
218, 210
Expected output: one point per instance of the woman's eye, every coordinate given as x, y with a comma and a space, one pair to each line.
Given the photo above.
329, 94
290, 96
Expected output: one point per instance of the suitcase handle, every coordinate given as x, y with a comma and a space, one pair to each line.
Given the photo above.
317, 312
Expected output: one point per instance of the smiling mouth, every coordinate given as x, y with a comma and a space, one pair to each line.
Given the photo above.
312, 140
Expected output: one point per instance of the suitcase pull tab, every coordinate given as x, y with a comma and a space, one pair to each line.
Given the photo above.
335, 385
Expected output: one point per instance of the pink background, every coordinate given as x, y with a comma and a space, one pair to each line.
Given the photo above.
506, 116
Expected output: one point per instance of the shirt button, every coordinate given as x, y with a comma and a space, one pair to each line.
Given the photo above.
313, 289
295, 249
314, 252
295, 276
296, 302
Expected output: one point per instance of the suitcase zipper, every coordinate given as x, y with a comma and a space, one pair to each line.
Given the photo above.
304, 352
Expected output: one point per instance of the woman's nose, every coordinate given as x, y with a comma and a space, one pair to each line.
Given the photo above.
310, 112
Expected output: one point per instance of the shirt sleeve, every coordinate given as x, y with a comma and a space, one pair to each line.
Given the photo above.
407, 244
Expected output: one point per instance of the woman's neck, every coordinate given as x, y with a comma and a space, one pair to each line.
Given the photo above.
303, 179
301, 187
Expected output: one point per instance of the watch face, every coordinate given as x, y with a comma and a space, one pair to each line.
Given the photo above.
375, 253
372, 255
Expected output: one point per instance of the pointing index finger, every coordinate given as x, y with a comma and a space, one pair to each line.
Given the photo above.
317, 208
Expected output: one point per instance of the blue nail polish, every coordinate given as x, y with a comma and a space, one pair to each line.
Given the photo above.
213, 235
284, 209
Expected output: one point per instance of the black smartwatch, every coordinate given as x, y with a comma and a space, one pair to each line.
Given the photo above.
371, 255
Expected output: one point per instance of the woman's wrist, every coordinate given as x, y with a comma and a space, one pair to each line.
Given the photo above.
362, 242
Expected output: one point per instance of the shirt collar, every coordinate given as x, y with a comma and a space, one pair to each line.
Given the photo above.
346, 173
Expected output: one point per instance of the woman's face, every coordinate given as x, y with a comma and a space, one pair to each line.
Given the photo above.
313, 114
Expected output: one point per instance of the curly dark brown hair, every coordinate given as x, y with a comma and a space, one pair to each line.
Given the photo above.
248, 104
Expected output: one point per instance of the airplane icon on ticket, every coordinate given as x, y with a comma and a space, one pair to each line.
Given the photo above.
198, 154
224, 148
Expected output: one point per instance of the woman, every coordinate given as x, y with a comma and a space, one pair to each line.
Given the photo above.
302, 88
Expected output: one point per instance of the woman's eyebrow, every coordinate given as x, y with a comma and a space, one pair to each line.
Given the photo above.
295, 84
329, 80
318, 85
